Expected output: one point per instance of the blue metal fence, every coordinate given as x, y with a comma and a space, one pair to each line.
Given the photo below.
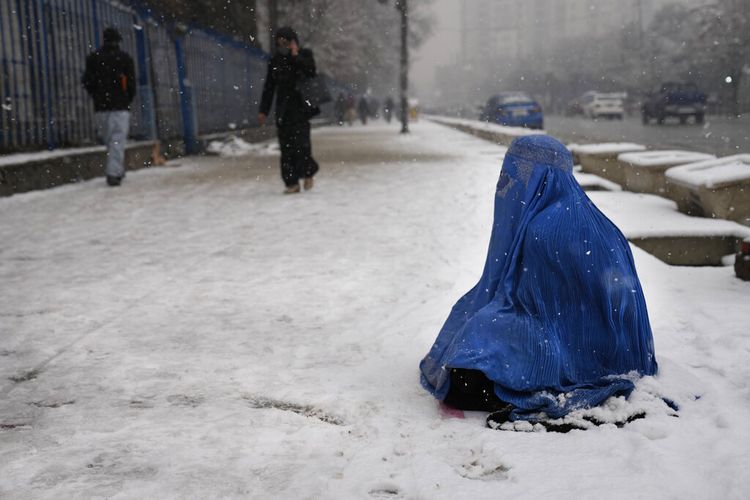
190, 82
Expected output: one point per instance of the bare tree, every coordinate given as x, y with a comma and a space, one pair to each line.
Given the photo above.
356, 41
236, 19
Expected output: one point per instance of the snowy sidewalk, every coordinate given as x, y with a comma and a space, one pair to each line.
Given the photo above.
195, 334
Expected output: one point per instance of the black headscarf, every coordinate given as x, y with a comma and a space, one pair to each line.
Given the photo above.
287, 33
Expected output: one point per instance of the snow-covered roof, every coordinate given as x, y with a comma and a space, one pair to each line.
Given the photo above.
666, 158
712, 172
645, 215
605, 148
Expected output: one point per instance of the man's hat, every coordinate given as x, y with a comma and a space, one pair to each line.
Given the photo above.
112, 35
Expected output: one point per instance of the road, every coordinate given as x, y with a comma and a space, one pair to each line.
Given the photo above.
718, 135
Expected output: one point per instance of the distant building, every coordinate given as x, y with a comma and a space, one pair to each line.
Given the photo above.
506, 30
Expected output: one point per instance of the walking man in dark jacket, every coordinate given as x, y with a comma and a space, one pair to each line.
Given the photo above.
286, 68
110, 81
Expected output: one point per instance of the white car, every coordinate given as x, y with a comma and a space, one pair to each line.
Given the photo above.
600, 105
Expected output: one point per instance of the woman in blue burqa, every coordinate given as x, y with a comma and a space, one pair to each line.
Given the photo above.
558, 320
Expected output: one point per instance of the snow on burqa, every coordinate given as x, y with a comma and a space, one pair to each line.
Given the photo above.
558, 320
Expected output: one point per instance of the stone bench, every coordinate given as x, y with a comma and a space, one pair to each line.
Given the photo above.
714, 188
653, 224
601, 159
643, 172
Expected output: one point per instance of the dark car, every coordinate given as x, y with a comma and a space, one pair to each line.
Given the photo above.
742, 261
513, 109
681, 100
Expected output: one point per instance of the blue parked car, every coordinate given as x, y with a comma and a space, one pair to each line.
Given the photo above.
513, 109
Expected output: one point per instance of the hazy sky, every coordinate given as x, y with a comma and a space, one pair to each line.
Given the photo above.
439, 49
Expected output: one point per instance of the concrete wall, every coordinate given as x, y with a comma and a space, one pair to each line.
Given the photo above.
65, 169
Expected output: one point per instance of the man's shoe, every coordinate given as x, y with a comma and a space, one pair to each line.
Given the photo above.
113, 180
308, 183
292, 189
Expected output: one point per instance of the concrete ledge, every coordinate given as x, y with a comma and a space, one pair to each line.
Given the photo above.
649, 180
601, 159
652, 223
723, 202
689, 250
715, 188
644, 172
20, 173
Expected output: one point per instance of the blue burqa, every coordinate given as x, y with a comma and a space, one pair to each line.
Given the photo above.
558, 320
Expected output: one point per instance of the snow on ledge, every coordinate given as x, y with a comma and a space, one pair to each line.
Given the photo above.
645, 215
666, 158
20, 158
605, 148
34, 156
709, 173
590, 180
486, 126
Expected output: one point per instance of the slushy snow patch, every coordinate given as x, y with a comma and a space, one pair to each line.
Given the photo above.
236, 146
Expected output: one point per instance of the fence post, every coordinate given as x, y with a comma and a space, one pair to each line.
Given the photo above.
187, 101
95, 13
148, 109
49, 114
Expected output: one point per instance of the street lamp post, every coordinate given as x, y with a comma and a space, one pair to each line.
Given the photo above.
403, 8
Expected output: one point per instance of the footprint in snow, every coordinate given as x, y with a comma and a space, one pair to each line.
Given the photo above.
385, 490
185, 400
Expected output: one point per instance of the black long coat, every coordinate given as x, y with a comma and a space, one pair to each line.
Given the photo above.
284, 72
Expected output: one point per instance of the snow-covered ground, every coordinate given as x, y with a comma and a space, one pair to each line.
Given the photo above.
195, 334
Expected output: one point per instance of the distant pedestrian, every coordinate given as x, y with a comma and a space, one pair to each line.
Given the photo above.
351, 112
373, 108
286, 68
110, 81
388, 108
339, 109
363, 110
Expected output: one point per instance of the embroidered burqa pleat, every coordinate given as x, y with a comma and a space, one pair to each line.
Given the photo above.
558, 320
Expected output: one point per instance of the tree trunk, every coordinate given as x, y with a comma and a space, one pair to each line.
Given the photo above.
252, 28
273, 22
